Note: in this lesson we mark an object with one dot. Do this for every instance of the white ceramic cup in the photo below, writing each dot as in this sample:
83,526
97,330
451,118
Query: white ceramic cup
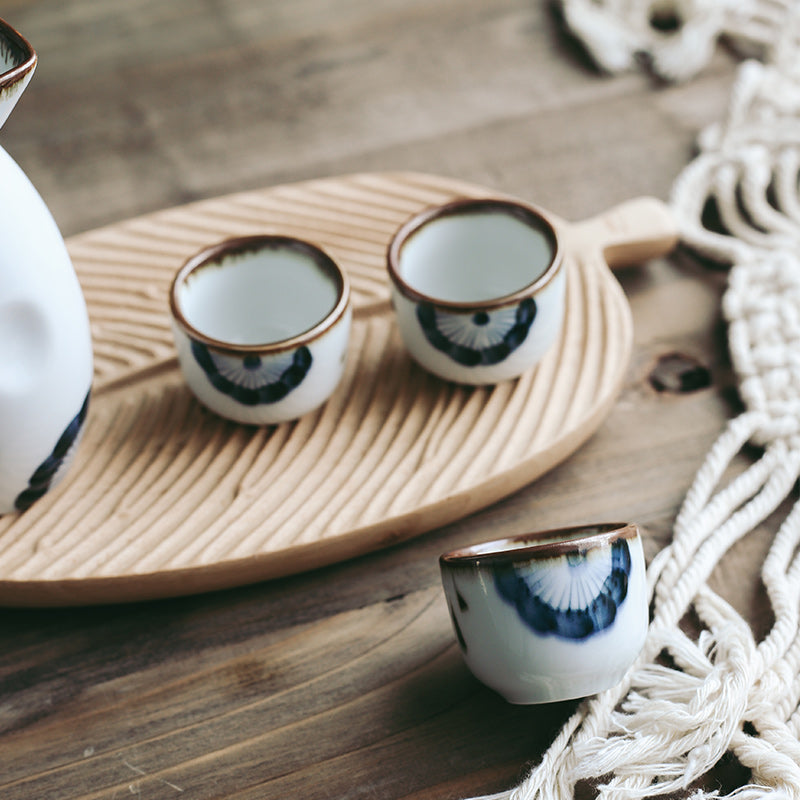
550,616
478,288
261,325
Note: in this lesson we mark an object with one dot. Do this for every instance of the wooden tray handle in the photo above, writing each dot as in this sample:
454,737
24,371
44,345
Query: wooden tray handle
627,234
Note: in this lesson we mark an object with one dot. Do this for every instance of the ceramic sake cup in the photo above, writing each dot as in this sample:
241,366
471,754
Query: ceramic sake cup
261,326
550,616
478,288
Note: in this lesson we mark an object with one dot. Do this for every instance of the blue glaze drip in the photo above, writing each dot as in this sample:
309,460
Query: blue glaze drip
46,473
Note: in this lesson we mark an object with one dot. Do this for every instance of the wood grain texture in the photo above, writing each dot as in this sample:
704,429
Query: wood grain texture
250,693
166,498
264,745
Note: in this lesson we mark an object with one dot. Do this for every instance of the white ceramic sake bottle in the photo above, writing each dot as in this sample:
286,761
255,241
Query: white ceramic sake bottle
45,341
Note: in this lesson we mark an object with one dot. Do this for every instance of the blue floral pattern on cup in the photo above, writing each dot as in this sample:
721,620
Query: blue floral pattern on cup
47,472
571,596
252,380
479,339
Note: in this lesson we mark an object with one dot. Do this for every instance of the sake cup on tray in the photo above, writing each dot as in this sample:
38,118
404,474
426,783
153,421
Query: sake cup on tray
550,616
478,288
261,325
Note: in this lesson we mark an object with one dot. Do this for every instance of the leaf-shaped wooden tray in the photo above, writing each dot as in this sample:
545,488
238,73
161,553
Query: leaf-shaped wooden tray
164,498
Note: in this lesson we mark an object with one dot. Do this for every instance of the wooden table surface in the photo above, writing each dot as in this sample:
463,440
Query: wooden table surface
347,682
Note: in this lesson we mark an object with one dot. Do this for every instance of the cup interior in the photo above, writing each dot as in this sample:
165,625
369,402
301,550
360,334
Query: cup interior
15,53
17,63
542,545
473,251
257,291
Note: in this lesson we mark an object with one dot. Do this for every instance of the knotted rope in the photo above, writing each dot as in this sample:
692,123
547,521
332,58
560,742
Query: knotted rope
691,699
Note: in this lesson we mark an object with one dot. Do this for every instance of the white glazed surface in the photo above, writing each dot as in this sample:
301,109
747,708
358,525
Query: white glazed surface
262,298
528,667
543,332
329,354
46,368
474,257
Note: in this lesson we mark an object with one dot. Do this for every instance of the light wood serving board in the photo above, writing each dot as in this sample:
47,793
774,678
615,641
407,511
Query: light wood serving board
164,498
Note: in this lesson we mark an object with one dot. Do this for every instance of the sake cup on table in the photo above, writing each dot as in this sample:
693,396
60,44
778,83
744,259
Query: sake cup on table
261,326
550,616
478,288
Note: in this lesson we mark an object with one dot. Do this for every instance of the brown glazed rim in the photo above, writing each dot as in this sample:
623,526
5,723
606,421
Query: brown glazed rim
15,74
524,547
528,214
214,255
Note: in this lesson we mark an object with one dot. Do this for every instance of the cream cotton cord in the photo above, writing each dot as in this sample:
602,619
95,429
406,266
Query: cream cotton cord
689,700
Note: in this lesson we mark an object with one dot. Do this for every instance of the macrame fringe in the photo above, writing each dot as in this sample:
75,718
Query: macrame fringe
677,38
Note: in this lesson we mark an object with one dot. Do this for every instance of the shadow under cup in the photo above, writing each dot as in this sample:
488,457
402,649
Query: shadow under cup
478,288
